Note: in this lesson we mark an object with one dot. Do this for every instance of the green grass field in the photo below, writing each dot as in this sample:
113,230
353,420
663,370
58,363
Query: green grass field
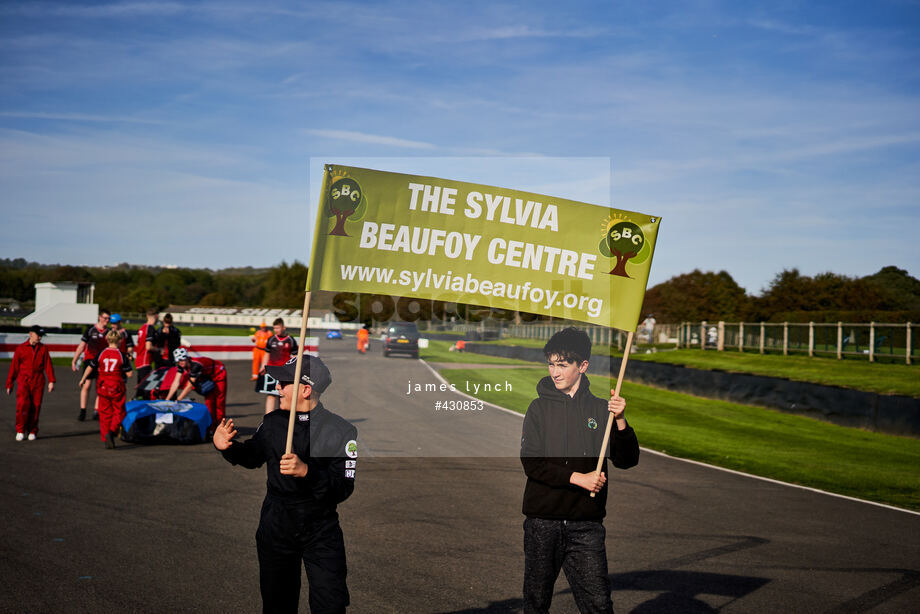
437,352
860,375
786,447
857,374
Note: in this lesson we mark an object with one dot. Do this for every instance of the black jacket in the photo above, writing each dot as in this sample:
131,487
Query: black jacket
563,434
324,441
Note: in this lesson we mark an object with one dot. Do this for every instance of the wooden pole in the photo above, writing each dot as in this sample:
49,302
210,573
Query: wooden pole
871,341
616,393
839,340
908,343
288,446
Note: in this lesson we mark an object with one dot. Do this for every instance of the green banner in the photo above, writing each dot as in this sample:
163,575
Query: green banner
424,237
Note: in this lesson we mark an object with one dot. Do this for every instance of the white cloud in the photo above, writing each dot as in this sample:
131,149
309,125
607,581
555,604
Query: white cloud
80,117
375,139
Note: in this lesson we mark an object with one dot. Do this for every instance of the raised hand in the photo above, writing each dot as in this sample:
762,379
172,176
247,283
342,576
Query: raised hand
224,434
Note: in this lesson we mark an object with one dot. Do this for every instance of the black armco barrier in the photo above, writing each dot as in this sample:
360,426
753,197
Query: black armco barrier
895,414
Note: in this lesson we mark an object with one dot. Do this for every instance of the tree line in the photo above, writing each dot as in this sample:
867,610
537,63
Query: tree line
133,289
890,295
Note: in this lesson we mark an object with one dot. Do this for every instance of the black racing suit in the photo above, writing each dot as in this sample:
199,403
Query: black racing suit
299,519
564,525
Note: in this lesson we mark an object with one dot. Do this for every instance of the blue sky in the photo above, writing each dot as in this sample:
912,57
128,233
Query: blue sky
767,135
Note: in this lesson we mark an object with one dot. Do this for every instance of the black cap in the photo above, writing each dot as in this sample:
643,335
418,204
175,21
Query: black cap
38,330
312,372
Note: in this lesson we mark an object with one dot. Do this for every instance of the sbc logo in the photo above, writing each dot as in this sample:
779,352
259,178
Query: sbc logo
624,241
345,201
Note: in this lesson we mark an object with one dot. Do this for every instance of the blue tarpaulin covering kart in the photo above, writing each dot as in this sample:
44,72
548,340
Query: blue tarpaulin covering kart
165,422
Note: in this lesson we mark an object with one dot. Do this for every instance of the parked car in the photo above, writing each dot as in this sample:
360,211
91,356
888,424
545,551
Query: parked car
401,338
334,334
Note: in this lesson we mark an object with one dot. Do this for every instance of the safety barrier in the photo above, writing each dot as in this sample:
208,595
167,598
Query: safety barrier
217,347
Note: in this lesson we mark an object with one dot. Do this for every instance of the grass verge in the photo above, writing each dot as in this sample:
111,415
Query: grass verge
763,442
866,376
856,374
437,351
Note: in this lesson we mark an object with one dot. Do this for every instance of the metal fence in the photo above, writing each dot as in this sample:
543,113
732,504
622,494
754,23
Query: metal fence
873,340
660,335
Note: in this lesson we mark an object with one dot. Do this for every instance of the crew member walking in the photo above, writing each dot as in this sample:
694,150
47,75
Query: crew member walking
260,338
91,344
31,364
363,339
114,367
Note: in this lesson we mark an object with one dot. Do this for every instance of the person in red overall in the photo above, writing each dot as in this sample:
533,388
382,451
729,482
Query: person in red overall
113,367
31,364
207,376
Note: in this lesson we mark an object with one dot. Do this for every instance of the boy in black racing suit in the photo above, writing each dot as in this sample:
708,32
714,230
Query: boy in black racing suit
299,521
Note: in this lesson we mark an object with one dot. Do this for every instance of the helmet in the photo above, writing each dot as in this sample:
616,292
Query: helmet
180,354
115,319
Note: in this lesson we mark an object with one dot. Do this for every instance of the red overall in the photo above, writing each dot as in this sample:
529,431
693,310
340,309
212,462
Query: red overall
111,389
31,363
203,368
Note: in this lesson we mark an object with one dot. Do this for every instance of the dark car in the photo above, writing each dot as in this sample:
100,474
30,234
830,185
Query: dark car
401,338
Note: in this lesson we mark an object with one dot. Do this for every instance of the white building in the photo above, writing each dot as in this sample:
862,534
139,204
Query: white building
63,302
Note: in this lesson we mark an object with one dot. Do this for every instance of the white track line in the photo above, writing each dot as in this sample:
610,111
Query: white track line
693,462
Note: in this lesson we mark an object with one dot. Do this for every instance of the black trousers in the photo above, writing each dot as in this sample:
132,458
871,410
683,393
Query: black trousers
576,547
290,535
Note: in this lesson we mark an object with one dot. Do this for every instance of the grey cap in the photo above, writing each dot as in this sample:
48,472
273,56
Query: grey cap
312,372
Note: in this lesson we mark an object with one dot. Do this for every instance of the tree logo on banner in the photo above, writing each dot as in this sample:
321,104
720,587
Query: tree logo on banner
624,241
345,202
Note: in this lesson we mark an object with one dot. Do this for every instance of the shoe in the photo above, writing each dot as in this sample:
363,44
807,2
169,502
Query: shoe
96,416
82,415
110,441
20,436
31,437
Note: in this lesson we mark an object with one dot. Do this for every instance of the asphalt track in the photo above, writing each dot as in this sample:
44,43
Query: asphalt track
434,524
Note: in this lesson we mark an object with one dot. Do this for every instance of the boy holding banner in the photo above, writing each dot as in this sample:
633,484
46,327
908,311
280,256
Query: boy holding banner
566,495
299,523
